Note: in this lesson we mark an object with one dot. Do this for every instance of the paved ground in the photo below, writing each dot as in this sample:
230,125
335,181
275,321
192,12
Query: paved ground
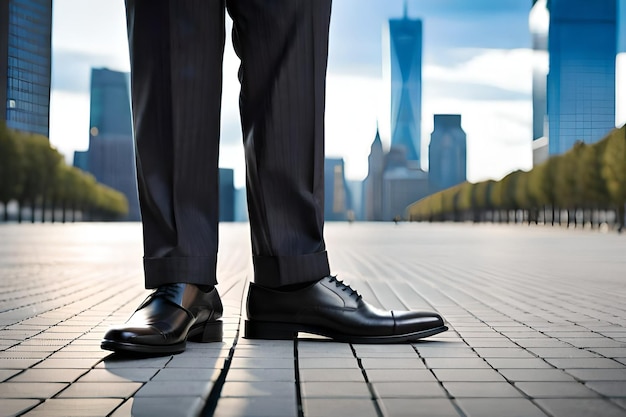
537,318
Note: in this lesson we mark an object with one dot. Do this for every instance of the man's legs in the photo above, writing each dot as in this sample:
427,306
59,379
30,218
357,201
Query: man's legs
283,46
176,50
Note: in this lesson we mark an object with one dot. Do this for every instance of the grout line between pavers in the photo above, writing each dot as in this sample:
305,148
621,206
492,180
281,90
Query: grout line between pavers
296,367
374,398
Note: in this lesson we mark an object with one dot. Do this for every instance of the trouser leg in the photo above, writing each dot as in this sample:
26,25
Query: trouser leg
283,46
176,50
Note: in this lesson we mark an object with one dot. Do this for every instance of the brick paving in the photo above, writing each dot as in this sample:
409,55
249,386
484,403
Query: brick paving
537,322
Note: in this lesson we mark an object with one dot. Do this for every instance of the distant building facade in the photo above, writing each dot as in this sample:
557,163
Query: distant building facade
25,64
336,199
402,63
227,195
392,183
582,45
447,153
110,157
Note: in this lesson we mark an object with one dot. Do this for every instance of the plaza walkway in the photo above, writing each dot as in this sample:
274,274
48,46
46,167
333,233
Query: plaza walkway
537,319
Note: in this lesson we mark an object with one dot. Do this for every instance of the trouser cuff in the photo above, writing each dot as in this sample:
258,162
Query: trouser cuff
189,270
276,271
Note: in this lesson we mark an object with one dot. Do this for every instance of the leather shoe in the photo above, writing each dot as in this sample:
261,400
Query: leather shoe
333,309
169,316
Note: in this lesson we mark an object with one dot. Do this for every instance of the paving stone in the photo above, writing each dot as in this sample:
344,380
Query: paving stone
321,363
152,407
500,407
35,390
332,375
556,390
180,388
588,407
100,390
265,363
67,363
75,407
503,353
533,363
8,373
119,375
609,388
409,389
481,389
584,363
468,375
335,390
15,407
392,363
447,353
194,374
259,407
535,375
456,363
417,407
48,375
318,407
259,389
598,374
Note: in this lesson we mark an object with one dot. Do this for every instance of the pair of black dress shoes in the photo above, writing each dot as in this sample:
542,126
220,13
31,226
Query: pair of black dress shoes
175,313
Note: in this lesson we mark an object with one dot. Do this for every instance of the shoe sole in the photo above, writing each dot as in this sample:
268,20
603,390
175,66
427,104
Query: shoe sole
289,331
211,331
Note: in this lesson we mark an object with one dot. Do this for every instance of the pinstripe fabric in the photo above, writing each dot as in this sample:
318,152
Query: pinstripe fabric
176,54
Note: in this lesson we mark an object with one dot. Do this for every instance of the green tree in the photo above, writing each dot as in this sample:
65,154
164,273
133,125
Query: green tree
614,171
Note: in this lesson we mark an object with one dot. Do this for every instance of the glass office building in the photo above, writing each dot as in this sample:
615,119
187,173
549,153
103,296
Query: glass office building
582,44
447,153
402,45
25,64
110,157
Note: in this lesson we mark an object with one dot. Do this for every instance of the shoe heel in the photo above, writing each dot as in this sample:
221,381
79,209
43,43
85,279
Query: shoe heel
269,330
212,331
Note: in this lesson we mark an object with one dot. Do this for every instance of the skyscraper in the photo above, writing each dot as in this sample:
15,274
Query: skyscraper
582,45
373,183
110,157
402,46
25,62
447,153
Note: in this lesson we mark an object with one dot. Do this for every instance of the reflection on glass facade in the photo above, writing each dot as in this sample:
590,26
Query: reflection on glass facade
404,50
582,44
447,153
25,57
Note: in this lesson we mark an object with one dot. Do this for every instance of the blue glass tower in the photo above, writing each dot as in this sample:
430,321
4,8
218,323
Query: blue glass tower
405,70
582,43
25,63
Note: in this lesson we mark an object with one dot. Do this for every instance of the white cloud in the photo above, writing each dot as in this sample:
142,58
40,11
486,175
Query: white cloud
506,69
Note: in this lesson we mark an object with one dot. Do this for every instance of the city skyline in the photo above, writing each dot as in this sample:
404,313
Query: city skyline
477,62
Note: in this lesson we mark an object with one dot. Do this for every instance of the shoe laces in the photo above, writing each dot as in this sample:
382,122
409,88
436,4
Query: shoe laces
345,287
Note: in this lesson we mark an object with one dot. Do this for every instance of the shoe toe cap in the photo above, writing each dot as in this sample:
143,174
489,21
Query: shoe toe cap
416,321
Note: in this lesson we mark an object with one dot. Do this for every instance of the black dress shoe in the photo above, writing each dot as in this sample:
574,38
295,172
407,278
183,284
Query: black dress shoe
331,308
169,316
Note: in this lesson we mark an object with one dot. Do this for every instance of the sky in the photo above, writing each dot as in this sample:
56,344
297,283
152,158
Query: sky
476,62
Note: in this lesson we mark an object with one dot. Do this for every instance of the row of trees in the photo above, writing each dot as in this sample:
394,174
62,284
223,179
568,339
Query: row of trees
34,175
585,181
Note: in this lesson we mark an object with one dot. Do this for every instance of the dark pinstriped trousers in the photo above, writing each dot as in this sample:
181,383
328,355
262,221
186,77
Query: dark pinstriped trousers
176,50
